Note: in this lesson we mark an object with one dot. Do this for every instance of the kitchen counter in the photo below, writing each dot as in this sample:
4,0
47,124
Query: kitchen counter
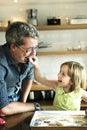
40,87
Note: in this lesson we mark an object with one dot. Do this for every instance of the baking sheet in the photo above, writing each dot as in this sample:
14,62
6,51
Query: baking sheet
58,118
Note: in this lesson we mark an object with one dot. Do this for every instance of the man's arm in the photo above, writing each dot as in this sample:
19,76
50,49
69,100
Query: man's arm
26,87
17,107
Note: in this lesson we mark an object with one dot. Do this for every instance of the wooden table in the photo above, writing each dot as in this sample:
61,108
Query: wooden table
18,121
61,128
22,121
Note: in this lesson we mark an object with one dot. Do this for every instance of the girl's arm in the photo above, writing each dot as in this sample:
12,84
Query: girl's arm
84,95
39,77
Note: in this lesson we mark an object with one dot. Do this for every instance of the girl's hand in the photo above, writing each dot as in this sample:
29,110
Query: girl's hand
34,60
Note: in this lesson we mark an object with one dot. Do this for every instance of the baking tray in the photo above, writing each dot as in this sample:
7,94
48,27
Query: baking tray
59,119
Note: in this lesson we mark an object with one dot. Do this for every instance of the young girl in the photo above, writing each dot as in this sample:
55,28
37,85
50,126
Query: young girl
69,88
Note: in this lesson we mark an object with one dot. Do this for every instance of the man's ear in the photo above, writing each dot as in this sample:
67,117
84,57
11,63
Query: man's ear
12,46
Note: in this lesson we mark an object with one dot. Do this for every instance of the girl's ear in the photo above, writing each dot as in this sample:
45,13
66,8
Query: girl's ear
71,83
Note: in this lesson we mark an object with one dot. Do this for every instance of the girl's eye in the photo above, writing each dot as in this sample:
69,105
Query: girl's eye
63,74
60,71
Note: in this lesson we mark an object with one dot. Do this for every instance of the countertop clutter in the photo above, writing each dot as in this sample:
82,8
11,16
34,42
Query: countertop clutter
54,21
53,119
81,19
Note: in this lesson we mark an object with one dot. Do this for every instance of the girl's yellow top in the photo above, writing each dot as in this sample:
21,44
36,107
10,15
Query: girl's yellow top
67,101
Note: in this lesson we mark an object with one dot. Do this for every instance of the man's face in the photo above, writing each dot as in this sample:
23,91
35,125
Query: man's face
22,53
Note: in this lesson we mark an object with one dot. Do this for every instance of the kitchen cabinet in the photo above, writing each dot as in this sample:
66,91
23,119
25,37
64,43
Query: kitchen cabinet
39,92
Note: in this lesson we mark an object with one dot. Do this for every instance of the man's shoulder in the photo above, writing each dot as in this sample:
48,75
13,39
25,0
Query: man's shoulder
1,51
2,54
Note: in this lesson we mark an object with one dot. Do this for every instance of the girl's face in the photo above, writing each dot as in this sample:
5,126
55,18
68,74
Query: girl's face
64,79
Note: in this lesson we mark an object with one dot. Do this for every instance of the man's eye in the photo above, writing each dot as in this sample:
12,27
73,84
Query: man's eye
28,50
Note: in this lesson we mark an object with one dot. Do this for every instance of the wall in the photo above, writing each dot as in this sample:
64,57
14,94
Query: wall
63,8
59,39
50,65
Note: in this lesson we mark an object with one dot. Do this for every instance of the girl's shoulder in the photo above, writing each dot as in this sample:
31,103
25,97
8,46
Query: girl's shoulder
79,91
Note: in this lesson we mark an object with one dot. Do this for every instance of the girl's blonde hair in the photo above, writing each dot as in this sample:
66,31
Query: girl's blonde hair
77,73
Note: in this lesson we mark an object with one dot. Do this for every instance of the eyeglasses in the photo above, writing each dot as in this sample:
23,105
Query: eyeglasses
29,50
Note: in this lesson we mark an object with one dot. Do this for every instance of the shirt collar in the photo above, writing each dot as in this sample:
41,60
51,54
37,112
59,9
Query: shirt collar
8,55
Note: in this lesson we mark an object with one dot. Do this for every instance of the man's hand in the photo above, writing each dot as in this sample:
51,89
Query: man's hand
2,121
34,61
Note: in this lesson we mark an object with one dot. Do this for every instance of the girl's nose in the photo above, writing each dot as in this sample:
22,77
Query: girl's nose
58,75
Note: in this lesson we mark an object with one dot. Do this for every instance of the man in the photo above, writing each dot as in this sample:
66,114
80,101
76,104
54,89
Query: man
16,72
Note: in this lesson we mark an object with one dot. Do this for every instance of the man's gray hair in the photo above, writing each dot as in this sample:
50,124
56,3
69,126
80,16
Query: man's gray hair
17,31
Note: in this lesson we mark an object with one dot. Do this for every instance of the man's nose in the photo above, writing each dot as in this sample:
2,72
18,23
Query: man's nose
33,52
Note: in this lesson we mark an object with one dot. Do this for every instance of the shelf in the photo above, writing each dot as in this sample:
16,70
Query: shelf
3,29
56,27
62,27
62,52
